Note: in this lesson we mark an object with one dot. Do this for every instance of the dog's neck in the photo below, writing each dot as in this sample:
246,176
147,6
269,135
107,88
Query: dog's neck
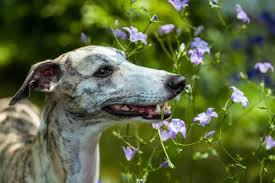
69,149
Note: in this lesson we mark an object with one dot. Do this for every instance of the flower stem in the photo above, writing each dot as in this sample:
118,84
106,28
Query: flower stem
262,170
186,145
266,133
147,26
223,148
171,165
220,17
118,42
163,47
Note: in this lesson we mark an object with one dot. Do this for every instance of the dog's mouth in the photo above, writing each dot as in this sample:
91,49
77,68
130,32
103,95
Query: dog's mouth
159,111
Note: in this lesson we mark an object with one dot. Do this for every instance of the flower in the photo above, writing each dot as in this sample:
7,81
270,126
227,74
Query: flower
199,29
200,45
154,18
263,67
166,29
238,96
196,56
214,3
179,4
198,49
99,181
164,135
269,142
209,134
164,164
241,15
205,117
136,36
84,38
120,34
129,152
157,125
175,127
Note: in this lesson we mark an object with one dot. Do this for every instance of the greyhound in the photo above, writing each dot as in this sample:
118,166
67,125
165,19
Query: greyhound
87,90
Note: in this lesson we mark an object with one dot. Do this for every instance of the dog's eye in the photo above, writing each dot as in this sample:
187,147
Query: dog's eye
103,72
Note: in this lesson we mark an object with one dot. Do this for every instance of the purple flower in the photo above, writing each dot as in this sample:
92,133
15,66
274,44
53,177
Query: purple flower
157,125
136,36
175,127
199,48
196,56
164,135
205,117
201,45
166,123
166,29
129,152
241,15
84,38
214,3
269,142
179,4
154,18
120,34
263,67
209,134
238,96
164,164
199,29
99,181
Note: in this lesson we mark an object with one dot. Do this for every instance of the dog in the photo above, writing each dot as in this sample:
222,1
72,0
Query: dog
87,90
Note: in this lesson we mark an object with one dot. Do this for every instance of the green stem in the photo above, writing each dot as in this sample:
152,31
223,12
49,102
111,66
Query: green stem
186,145
126,142
130,12
171,165
220,17
163,47
170,47
262,170
120,45
223,148
147,26
266,133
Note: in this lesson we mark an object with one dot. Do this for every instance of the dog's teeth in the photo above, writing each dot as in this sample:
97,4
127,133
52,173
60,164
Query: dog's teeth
157,109
116,107
125,108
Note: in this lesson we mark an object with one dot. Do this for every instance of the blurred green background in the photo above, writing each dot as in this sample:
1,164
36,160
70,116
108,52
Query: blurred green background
32,31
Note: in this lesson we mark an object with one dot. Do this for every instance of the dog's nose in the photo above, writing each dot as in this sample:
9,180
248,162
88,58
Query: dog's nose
176,84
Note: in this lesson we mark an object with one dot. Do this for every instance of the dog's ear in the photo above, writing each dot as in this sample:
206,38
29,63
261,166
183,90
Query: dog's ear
42,76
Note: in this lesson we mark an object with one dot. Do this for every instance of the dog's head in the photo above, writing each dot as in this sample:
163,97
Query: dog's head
99,82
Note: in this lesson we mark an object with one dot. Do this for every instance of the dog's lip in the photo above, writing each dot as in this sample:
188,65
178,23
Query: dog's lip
150,112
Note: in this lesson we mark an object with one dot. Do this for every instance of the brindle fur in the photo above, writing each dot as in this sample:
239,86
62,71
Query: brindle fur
62,145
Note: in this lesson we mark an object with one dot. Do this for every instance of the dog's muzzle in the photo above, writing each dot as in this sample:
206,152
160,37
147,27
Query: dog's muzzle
174,85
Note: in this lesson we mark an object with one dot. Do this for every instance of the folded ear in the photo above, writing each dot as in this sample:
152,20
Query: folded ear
42,76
